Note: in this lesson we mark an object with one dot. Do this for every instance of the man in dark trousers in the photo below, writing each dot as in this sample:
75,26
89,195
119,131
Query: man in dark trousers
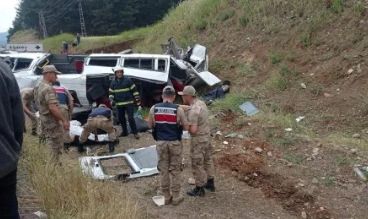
11,138
123,94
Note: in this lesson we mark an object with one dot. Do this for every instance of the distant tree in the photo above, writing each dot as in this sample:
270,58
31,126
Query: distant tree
102,17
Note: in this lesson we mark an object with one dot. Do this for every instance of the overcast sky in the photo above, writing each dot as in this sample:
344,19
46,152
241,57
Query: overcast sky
7,14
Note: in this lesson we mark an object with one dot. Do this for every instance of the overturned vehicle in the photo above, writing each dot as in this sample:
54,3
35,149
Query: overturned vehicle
89,77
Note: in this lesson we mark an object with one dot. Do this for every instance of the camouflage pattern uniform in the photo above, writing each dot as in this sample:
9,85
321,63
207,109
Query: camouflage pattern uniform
170,161
52,128
98,122
200,144
27,98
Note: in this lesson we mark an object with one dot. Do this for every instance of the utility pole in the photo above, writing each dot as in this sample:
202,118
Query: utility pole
83,27
42,23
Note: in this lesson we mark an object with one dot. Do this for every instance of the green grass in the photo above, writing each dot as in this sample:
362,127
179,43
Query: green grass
277,83
306,39
201,24
285,141
226,14
316,90
275,59
294,158
344,160
232,102
358,9
244,70
65,192
243,20
337,6
330,181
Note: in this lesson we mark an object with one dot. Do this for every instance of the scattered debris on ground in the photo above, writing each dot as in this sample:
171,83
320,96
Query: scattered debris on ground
251,168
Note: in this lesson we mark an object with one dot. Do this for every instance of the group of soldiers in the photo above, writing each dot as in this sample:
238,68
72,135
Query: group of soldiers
166,119
55,104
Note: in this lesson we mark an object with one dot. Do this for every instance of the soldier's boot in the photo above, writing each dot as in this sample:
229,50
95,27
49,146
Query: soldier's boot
167,195
112,146
197,191
80,148
177,198
210,185
123,134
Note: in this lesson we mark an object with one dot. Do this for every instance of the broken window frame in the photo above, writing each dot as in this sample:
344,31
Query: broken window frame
155,63
117,58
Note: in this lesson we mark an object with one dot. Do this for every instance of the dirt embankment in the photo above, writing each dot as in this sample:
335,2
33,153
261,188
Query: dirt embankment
114,48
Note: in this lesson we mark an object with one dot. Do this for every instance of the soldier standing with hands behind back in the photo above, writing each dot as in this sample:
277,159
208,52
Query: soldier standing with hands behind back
165,119
53,122
200,143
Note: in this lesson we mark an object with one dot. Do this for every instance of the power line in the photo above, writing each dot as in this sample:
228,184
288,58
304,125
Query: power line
62,12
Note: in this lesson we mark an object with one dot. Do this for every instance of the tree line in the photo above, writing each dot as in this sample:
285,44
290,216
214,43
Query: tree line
102,17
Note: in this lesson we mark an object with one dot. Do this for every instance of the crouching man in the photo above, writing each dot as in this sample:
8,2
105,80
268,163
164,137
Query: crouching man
165,119
100,118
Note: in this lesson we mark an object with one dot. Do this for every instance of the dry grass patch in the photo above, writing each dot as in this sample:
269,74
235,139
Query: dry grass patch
67,193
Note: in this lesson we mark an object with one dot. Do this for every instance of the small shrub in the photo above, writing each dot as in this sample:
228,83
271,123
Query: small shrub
358,9
306,39
278,82
201,24
285,71
245,70
330,181
285,141
243,20
336,6
226,15
294,158
275,59
316,90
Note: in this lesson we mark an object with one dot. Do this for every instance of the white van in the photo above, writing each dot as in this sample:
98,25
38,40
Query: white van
90,76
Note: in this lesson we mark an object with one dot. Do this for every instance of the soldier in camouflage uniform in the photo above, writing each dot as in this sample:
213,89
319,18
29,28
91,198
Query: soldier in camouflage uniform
165,119
200,144
100,118
53,122
27,99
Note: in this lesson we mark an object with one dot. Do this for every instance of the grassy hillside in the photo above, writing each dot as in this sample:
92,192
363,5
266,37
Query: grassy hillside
267,49
290,58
